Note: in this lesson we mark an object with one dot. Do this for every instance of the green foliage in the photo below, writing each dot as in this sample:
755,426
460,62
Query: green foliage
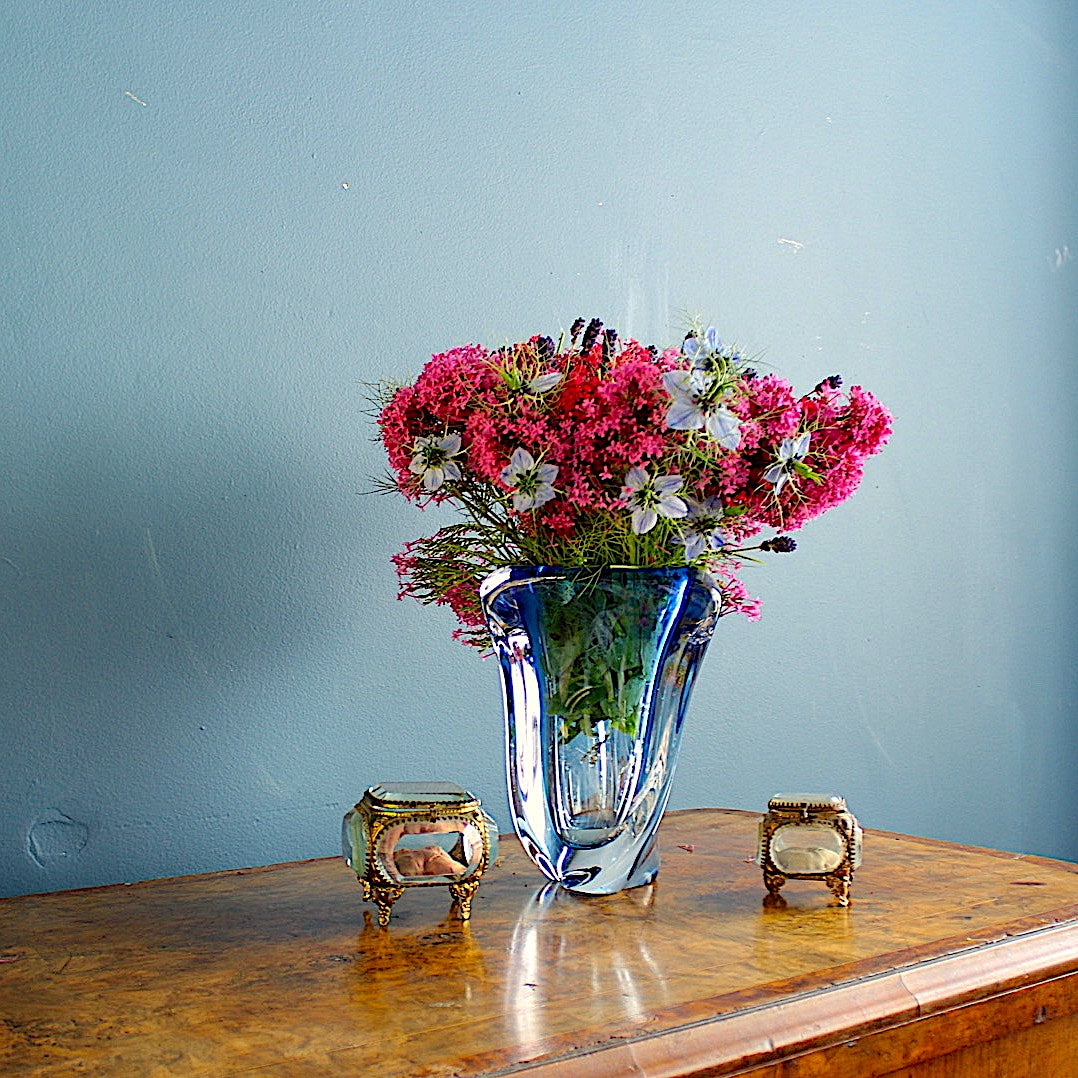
599,642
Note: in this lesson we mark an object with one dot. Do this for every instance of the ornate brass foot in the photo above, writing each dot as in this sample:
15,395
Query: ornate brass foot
840,887
384,897
773,881
463,893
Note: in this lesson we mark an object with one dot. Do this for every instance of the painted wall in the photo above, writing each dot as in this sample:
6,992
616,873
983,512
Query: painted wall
219,222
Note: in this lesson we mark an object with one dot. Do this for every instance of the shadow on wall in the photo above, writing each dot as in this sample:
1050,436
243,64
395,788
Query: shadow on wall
157,614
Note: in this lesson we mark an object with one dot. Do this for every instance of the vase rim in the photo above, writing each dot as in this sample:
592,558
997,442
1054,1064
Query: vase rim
505,575
603,568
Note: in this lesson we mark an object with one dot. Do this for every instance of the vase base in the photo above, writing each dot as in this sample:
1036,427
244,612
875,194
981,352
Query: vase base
595,872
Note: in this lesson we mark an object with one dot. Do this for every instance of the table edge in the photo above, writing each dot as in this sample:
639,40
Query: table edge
821,1018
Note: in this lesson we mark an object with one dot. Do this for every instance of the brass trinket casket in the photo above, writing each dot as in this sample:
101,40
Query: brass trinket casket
412,834
809,837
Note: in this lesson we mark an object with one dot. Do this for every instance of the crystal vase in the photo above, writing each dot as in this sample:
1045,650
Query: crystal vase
597,667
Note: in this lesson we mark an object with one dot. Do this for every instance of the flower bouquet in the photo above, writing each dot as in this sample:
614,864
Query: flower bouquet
609,494
594,451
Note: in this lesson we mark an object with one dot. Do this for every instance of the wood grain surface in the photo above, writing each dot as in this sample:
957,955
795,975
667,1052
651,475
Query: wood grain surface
947,957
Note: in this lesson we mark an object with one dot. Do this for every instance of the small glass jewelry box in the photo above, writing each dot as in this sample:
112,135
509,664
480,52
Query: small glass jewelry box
809,837
418,834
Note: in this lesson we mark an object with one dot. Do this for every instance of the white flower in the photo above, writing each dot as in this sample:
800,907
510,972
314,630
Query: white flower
544,383
787,456
693,347
691,409
432,458
651,498
702,528
533,482
686,387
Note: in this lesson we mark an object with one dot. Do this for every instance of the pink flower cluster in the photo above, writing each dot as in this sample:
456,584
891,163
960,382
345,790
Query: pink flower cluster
544,438
594,425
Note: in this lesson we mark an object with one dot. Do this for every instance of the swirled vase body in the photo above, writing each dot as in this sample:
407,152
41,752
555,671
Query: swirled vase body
597,667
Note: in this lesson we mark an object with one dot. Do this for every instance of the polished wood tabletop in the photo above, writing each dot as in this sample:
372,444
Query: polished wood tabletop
948,960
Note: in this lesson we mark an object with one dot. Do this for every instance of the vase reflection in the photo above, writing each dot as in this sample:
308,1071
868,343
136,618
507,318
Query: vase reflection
614,980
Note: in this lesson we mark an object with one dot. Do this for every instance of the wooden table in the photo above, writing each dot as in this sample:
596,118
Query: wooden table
950,961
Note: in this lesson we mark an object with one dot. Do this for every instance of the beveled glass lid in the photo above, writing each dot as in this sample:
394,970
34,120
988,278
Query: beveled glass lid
404,795
812,802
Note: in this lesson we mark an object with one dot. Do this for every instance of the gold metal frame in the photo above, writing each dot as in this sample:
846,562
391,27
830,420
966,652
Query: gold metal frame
381,813
800,809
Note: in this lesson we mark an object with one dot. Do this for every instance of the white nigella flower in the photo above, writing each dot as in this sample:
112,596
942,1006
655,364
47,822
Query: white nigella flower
544,383
651,498
701,529
533,482
432,458
787,456
697,350
691,409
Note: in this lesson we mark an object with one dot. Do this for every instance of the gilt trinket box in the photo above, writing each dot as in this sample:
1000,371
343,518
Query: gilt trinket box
809,837
418,834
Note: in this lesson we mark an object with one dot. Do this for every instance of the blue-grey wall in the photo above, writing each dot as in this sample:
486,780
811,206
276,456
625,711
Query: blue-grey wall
219,221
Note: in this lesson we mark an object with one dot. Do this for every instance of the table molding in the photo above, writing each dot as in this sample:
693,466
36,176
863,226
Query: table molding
742,1042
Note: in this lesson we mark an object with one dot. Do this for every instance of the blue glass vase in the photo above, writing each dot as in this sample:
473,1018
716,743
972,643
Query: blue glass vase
597,667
